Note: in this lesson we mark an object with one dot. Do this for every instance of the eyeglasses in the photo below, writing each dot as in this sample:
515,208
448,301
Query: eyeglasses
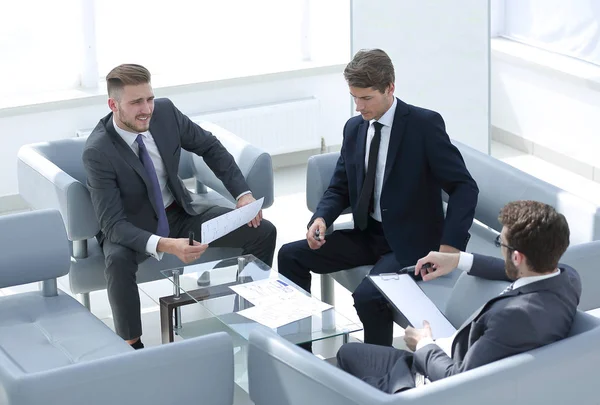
498,243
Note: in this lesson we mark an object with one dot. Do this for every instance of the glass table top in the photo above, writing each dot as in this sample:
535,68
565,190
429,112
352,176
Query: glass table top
212,306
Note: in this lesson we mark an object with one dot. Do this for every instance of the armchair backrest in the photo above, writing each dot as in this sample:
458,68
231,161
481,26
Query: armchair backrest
468,295
319,171
500,183
51,175
255,164
33,247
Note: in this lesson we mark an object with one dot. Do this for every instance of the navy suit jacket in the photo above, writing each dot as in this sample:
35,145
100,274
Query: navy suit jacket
421,162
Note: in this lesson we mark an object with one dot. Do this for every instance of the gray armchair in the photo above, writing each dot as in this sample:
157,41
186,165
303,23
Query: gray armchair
281,373
51,175
499,183
53,350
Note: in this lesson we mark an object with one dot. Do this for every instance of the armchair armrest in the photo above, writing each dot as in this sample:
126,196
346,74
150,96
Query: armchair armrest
282,373
255,164
43,184
198,370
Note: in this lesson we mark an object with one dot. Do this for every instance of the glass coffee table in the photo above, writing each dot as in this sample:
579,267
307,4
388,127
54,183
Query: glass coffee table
203,303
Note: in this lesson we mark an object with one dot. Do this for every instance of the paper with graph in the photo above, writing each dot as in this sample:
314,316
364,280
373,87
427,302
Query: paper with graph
223,224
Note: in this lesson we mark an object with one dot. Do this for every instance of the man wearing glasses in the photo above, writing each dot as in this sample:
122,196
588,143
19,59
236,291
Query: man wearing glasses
537,309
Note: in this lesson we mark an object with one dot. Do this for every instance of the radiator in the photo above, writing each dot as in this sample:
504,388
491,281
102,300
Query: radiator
277,128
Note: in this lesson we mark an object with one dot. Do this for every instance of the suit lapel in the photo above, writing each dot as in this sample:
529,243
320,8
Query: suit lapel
130,157
361,147
482,309
398,128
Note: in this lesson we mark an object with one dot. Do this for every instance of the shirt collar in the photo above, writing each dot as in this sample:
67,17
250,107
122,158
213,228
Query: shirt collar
523,281
128,136
387,119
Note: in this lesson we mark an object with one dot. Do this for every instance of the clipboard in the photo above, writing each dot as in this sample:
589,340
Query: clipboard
405,295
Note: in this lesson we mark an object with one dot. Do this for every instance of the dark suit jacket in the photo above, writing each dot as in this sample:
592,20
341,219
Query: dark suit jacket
118,184
523,319
421,162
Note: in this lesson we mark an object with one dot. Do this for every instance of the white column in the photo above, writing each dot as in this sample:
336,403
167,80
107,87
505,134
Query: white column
89,66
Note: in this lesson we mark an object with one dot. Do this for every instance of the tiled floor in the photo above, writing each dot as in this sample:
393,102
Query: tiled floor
290,215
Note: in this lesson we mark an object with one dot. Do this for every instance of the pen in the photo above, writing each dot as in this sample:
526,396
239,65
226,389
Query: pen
317,235
191,238
411,269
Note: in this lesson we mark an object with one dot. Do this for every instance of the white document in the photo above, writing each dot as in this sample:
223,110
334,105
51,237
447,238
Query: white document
264,292
407,297
223,224
276,303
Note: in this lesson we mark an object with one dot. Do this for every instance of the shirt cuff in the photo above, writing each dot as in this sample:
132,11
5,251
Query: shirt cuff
152,245
465,261
243,194
424,342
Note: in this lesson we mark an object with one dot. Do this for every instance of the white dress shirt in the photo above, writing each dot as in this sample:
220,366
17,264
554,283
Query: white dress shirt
161,174
386,120
465,262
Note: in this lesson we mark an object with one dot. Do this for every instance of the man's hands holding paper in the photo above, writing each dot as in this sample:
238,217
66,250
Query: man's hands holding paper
181,248
245,200
413,336
316,234
441,264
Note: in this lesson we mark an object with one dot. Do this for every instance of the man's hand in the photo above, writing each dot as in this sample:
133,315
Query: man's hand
318,224
181,248
245,200
413,336
441,264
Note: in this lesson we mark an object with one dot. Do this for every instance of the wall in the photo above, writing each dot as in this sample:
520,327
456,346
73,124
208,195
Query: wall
548,105
440,51
47,122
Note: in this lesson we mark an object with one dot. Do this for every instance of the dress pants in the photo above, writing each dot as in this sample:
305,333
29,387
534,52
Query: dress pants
122,262
386,368
343,250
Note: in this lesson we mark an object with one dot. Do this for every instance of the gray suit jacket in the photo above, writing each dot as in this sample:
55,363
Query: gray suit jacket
118,184
523,319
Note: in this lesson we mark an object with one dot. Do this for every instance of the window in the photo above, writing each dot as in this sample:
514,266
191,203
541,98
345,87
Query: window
40,51
570,28
174,38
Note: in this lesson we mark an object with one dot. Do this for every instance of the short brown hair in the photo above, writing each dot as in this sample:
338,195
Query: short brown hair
123,75
370,68
536,230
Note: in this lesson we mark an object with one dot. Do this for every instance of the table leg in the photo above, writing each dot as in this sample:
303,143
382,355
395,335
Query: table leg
166,323
177,294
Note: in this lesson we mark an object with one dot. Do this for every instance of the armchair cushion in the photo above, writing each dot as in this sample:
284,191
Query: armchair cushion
40,333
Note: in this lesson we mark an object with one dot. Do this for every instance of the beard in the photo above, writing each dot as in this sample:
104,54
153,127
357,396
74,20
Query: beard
132,124
510,269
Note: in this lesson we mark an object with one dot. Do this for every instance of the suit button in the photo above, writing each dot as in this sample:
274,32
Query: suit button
383,209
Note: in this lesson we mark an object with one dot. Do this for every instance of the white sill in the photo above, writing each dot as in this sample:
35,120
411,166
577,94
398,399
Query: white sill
165,86
559,66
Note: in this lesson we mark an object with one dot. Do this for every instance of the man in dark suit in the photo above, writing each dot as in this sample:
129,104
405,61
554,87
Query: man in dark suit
395,161
144,209
537,309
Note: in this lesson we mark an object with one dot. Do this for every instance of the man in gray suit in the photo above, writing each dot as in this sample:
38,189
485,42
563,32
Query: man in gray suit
132,159
535,310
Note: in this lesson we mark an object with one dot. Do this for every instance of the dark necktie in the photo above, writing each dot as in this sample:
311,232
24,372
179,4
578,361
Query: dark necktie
162,228
365,201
